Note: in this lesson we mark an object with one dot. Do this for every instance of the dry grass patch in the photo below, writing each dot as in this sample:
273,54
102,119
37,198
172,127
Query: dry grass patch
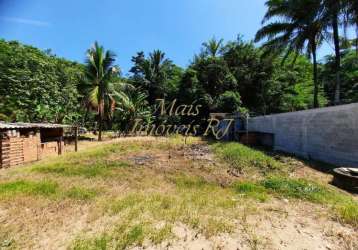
101,199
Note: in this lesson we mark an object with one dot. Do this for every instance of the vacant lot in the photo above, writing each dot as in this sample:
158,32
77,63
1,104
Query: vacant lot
160,193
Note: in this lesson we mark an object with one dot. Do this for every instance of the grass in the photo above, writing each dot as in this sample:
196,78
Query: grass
102,161
348,212
251,190
91,163
87,170
277,183
191,203
344,207
161,234
298,188
122,237
44,188
216,226
79,193
191,182
143,204
246,159
6,242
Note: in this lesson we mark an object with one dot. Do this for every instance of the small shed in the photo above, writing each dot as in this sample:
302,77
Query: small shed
26,142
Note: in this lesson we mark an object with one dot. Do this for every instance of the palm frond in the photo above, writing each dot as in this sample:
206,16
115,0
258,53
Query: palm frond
271,30
276,8
94,96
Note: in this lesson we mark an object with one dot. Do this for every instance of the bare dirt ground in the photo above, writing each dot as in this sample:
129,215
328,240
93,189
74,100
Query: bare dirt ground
41,222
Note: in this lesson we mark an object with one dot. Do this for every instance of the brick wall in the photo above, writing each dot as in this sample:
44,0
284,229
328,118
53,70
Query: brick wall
49,149
31,148
12,151
16,149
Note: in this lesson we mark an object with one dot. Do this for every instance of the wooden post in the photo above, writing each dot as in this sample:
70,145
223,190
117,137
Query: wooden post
76,138
59,146
60,143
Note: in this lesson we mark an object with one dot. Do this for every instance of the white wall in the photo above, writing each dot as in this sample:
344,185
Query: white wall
326,134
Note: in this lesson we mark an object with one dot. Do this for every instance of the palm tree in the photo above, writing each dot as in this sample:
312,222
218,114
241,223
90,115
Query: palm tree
100,71
330,17
153,73
295,28
134,106
352,14
157,62
213,47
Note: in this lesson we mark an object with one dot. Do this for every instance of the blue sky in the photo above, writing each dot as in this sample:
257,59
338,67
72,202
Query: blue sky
177,27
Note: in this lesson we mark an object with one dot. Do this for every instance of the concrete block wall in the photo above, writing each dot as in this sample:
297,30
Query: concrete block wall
326,134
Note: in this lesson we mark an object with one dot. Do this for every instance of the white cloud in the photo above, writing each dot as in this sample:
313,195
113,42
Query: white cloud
26,21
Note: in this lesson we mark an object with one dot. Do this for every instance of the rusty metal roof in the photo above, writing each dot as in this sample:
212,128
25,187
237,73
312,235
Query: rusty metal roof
17,125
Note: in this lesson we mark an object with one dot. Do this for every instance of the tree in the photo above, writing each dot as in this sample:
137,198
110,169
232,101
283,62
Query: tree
100,71
332,10
214,75
38,87
296,29
290,88
251,71
153,74
229,102
133,106
351,7
192,91
349,77
213,47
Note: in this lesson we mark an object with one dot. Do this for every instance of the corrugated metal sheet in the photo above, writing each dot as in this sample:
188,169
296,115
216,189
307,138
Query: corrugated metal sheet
18,125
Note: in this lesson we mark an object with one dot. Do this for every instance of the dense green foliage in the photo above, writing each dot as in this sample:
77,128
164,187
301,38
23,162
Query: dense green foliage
349,77
297,25
37,86
156,75
298,30
261,84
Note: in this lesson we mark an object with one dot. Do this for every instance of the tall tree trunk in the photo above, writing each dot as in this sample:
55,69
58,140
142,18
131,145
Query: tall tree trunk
151,94
100,118
337,90
315,74
356,42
